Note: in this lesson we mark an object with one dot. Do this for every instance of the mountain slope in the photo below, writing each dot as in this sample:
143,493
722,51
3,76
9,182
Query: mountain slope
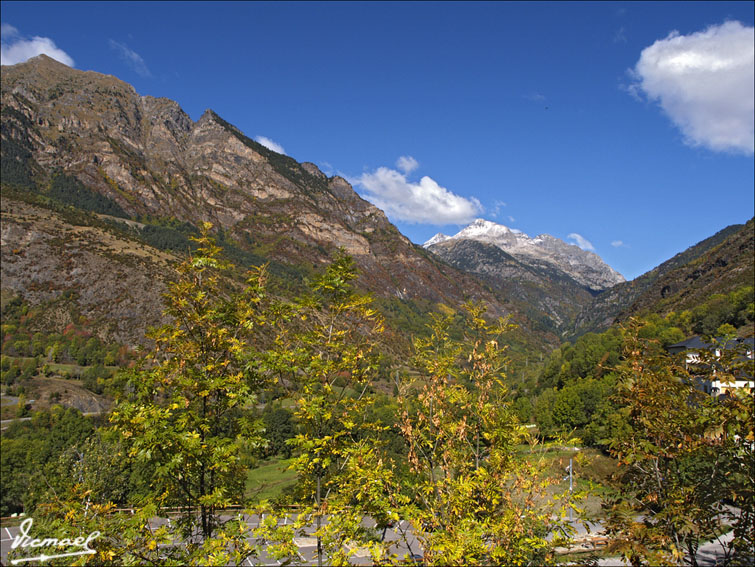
152,161
549,280
545,294
647,292
721,268
584,267
90,141
78,267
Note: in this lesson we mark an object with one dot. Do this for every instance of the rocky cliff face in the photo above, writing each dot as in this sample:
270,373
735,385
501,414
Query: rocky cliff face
147,156
145,160
543,251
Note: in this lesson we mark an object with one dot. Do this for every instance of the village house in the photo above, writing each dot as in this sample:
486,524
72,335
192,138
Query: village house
709,377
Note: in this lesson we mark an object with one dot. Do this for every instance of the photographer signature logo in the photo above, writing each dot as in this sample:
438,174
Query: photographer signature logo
25,541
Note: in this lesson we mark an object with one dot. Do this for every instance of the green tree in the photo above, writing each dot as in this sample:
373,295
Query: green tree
474,500
189,416
683,452
279,428
28,448
327,359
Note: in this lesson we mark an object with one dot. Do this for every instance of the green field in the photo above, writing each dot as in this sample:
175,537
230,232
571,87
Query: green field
269,480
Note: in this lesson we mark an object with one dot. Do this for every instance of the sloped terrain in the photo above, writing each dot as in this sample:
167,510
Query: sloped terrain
148,159
643,294
547,295
116,283
89,141
721,268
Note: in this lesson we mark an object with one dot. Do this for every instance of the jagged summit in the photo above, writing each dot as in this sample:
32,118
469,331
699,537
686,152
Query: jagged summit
440,237
586,268
482,226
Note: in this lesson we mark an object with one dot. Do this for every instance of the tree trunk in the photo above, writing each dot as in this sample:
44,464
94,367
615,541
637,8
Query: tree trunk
319,520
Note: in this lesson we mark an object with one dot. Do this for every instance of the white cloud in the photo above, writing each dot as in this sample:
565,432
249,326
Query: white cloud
15,48
7,31
407,164
270,145
618,243
704,83
425,202
131,57
581,241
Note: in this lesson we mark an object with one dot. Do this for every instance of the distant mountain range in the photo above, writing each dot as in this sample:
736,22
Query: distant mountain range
102,188
550,280
584,267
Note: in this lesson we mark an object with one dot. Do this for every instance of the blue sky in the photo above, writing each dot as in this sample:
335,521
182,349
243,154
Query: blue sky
627,127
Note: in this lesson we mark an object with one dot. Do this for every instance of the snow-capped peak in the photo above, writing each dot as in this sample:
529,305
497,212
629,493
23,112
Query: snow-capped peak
585,267
482,227
440,237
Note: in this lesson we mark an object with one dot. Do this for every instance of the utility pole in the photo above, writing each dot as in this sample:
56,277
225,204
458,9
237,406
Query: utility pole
571,486
570,468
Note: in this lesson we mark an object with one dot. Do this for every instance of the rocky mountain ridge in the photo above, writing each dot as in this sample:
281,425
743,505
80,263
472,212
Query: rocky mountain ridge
150,158
717,264
549,294
546,294
90,141
543,251
94,140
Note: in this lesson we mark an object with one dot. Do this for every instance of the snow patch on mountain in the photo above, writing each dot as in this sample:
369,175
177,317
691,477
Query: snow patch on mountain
585,267
440,237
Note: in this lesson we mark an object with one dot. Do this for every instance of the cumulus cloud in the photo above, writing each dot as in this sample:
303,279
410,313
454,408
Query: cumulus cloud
407,164
704,83
16,48
270,144
131,57
425,202
581,241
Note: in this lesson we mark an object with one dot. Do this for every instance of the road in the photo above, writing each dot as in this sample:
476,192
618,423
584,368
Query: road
710,554
305,542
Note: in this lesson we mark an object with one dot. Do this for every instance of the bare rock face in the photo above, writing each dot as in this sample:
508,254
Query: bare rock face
152,160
